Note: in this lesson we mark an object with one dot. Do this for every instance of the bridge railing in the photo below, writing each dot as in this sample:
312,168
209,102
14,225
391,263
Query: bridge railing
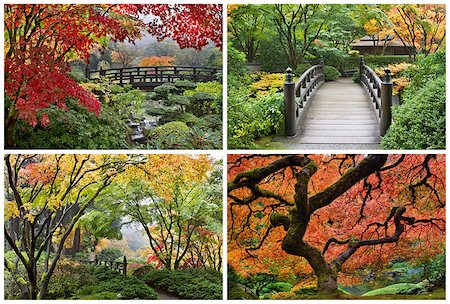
121,267
380,92
155,74
297,95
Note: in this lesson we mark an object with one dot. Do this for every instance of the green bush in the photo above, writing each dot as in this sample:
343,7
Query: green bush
74,128
301,68
419,123
110,254
235,61
249,119
104,295
331,73
67,279
183,85
402,288
128,288
356,77
277,287
201,104
168,135
187,283
436,271
164,90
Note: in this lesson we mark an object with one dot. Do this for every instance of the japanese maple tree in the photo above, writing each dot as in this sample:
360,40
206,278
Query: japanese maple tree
40,40
338,213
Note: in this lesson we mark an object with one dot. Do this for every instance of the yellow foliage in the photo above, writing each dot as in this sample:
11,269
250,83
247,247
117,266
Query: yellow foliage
400,82
11,210
268,82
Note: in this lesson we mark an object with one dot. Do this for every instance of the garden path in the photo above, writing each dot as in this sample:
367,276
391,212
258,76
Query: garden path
339,117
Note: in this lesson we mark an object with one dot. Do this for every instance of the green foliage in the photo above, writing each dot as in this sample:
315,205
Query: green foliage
187,283
104,295
301,68
356,77
67,279
419,123
129,101
235,61
128,288
74,128
168,135
164,90
276,287
110,254
436,271
183,85
272,57
249,119
331,73
375,61
402,288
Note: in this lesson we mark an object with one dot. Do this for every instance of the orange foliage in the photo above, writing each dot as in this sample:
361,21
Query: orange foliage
157,61
341,219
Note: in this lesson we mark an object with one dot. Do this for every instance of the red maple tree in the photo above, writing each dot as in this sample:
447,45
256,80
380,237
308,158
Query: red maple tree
329,215
40,40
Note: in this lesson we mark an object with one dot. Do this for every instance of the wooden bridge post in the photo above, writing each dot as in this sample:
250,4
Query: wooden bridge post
289,104
361,67
87,71
386,102
124,265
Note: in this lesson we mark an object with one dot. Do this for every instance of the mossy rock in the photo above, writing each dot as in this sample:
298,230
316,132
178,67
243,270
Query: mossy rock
184,85
401,288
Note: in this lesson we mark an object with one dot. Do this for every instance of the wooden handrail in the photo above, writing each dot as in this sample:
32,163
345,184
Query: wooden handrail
298,94
154,75
380,92
121,267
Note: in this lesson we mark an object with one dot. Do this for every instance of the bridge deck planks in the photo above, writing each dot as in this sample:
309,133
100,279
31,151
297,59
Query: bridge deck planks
339,113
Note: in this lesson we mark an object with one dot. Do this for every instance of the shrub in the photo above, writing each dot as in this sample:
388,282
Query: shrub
249,119
235,61
436,271
105,295
183,85
201,104
268,83
110,254
331,73
410,130
356,77
402,288
164,90
74,128
301,68
128,288
277,287
67,279
168,135
188,283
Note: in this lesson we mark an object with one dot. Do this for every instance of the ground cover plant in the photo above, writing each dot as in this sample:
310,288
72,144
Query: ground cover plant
336,226
85,226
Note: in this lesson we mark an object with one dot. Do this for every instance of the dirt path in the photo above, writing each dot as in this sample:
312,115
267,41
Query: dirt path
164,295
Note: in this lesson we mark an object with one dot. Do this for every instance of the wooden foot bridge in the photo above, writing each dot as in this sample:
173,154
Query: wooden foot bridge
336,114
152,76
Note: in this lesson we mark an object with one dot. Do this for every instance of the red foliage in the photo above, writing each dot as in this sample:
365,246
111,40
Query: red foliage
348,216
42,38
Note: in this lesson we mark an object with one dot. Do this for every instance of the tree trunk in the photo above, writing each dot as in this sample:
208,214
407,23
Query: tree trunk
10,130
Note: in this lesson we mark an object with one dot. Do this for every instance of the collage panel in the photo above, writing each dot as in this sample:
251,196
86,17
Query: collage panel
336,76
336,226
113,227
113,76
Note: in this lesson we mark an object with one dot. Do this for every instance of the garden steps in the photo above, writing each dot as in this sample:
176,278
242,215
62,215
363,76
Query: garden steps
339,115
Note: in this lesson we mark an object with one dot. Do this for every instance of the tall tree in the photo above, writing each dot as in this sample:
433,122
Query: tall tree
172,204
330,210
420,26
247,26
298,26
50,195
